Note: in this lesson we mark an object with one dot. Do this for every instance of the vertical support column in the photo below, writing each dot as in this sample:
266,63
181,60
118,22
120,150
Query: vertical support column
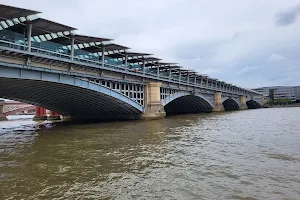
158,70
179,76
54,116
40,114
207,82
37,111
195,81
153,106
29,31
43,113
102,56
72,47
218,106
243,104
126,59
52,113
2,116
188,78
143,66
170,73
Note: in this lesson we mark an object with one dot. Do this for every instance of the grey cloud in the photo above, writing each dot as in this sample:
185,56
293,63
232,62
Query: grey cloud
288,17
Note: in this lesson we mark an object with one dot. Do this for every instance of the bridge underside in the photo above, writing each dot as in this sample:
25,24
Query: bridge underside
230,104
253,104
188,104
79,103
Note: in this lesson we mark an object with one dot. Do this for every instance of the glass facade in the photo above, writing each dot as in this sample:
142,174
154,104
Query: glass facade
281,92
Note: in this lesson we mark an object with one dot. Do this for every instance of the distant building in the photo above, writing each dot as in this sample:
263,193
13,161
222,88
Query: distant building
281,92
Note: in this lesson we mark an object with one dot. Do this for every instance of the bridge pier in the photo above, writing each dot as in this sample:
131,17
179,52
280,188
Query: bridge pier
40,114
153,107
2,116
243,104
218,107
54,116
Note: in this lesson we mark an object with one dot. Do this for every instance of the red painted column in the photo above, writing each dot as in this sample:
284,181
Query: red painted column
52,113
54,116
37,111
42,112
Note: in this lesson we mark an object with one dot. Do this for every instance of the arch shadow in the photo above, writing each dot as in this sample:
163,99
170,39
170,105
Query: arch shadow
230,104
187,104
252,104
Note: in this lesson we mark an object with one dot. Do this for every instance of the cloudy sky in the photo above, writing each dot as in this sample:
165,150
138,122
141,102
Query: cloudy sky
250,43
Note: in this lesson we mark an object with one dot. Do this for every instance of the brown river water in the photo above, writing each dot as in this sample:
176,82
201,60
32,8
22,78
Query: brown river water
245,155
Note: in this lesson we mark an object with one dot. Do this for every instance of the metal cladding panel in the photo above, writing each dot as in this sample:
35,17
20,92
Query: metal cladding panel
95,87
31,74
84,84
79,83
9,72
67,80
50,77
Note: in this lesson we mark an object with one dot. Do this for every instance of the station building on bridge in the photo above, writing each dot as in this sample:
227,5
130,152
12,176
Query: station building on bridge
47,64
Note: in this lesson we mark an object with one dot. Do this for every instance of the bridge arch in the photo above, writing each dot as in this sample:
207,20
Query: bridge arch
231,104
253,104
66,95
185,102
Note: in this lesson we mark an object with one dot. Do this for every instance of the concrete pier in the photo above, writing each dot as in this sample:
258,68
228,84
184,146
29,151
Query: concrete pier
153,108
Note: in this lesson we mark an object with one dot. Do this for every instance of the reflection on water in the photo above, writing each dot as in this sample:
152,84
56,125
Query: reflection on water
253,154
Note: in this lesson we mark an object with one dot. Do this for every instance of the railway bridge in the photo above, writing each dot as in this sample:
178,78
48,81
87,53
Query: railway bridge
46,64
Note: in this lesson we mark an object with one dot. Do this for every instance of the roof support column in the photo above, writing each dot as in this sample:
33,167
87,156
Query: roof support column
29,31
188,78
72,48
102,56
170,73
126,59
201,81
195,81
143,66
179,76
158,70
207,82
